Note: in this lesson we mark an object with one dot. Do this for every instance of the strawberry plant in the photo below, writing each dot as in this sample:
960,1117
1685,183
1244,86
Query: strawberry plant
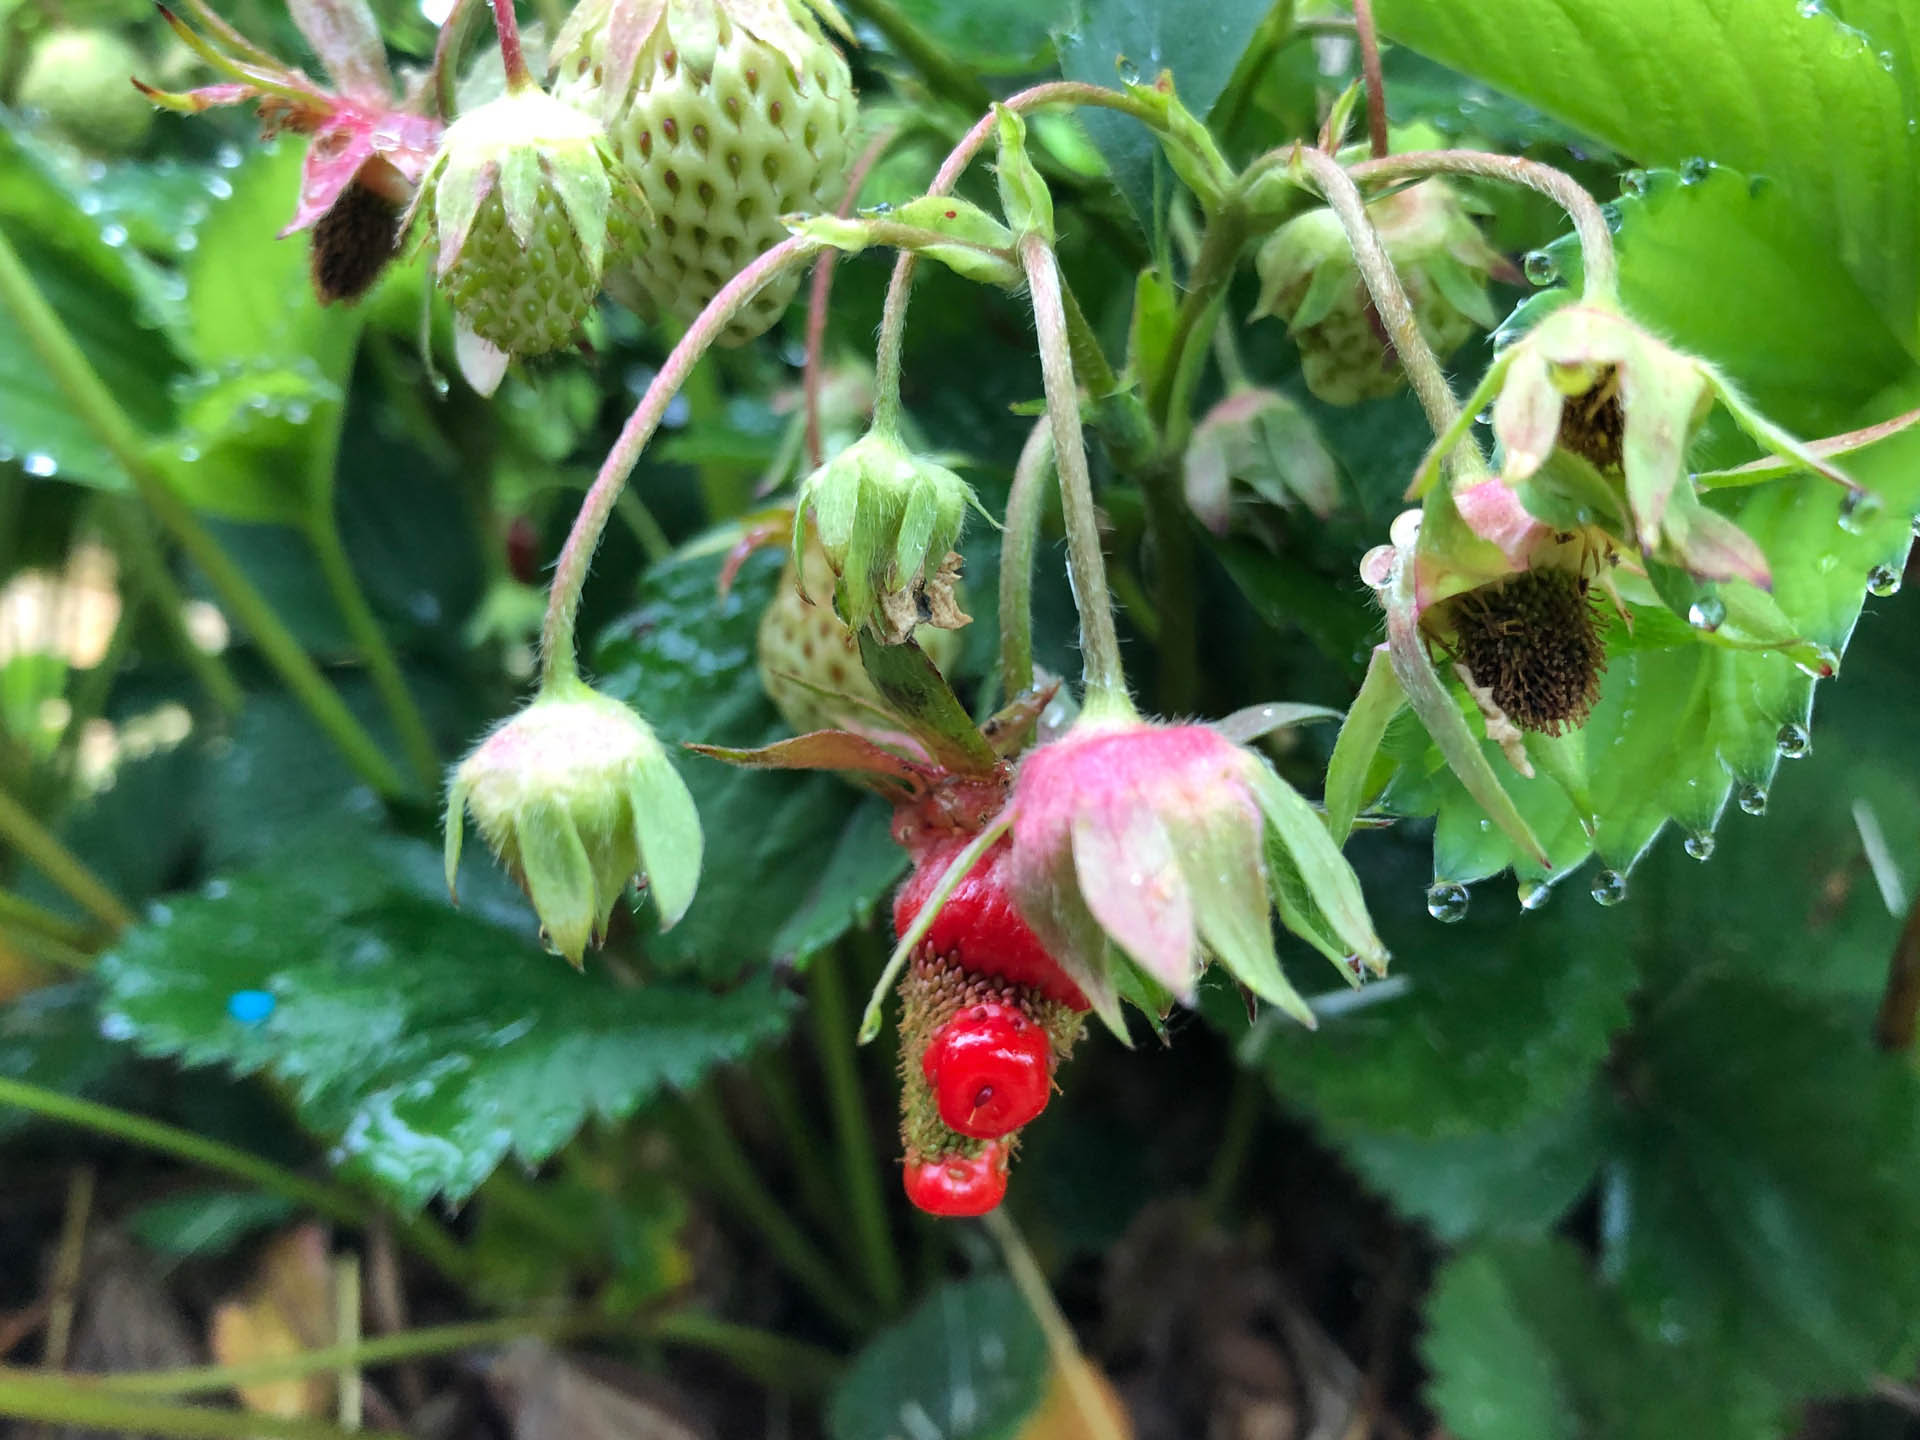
1185,717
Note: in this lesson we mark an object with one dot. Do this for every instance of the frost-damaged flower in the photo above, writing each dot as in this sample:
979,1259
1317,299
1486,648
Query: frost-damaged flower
1309,280
888,521
1175,842
519,201
367,149
577,798
1594,415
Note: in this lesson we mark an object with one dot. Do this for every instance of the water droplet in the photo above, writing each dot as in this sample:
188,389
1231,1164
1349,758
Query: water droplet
1699,845
1810,8
1708,613
227,157
1886,61
1446,901
1485,417
1819,662
189,454
1753,799
1883,580
219,187
1540,267
1534,894
1613,215
1859,510
251,1007
1129,72
185,241
116,1027
1792,741
1633,182
90,203
1609,887
1696,170
41,464
113,236
1914,526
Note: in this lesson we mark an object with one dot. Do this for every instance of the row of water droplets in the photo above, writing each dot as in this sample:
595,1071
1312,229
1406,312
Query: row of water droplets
1447,900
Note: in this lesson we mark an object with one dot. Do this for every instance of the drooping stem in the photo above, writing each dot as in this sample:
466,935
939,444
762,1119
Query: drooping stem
1375,81
853,1132
1105,680
443,76
1025,504
428,1240
1096,1417
820,292
893,319
1600,267
21,832
1383,284
507,25
557,658
80,384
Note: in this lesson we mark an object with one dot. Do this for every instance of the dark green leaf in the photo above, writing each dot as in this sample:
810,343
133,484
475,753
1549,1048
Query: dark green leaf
51,1038
430,1045
969,1364
856,877
1523,1344
1771,1188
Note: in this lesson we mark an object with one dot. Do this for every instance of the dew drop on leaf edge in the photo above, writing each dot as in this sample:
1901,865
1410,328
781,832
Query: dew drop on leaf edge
1753,799
1792,741
1540,267
1709,612
1859,510
1883,581
1447,902
1534,894
1609,887
1699,846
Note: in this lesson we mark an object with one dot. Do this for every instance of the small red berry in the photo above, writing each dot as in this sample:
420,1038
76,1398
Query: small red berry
958,1185
991,1070
523,550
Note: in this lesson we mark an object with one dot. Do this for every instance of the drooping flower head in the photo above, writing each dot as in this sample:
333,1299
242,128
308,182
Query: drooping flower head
1175,843
887,520
578,799
368,147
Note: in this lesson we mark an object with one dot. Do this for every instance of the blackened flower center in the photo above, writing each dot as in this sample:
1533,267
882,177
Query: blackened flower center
1533,643
1591,423
352,243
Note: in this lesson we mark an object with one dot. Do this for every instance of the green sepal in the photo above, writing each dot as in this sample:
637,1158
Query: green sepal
668,837
559,877
1349,770
1024,197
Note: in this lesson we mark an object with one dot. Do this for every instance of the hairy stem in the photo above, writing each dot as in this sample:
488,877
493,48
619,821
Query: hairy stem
820,292
1375,81
557,658
428,1240
1025,505
81,386
383,666
1383,284
1598,262
853,1132
893,319
507,25
41,848
1105,680
1171,403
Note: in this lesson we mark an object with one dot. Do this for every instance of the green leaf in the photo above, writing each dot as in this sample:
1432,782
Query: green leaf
1787,91
429,1045
857,876
1487,1022
1683,726
685,660
1518,1181
1003,37
1770,1198
51,1038
969,1364
1200,41
95,289
1523,1344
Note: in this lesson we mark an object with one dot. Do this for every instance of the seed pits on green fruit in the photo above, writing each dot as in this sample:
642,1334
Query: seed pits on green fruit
746,209
698,134
774,113
730,247
753,80
770,167
735,164
670,128
671,179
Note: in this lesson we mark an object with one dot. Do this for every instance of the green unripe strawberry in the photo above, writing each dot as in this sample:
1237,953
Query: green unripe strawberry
728,114
1309,280
519,201
82,81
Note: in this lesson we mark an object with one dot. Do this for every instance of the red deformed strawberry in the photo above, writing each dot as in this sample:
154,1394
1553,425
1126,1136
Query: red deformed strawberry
991,1069
986,1018
957,1186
